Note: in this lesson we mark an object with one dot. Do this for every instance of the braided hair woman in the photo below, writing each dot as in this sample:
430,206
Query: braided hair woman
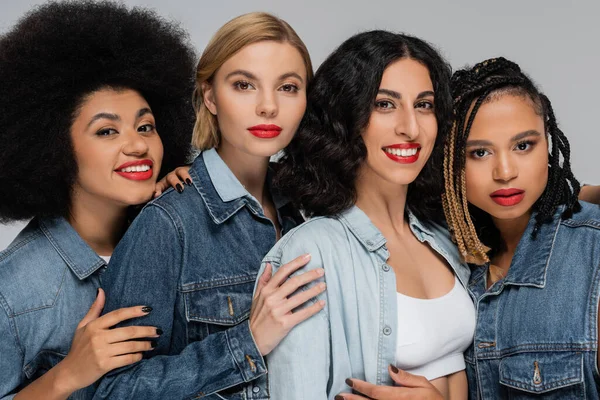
511,202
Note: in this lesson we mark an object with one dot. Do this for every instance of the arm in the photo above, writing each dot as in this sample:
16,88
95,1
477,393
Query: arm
145,269
299,366
590,194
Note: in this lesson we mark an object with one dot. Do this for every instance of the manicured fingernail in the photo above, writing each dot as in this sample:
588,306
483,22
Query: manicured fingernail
154,343
188,181
306,256
322,285
179,188
349,382
159,331
146,309
338,397
394,369
322,303
320,272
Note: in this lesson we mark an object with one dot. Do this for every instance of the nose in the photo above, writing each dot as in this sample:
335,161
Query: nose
505,168
135,144
407,124
267,105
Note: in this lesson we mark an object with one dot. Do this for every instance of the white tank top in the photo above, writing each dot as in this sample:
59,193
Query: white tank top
433,333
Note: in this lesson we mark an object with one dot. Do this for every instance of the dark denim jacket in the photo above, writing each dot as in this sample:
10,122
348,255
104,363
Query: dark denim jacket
48,281
194,257
536,334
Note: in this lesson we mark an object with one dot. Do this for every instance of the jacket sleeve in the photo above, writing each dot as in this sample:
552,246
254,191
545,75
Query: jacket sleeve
144,270
11,360
299,367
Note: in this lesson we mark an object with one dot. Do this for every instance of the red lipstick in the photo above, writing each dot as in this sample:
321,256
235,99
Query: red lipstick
403,153
134,175
265,131
508,197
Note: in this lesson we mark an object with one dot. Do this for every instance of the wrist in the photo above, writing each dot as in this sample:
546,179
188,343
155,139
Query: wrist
62,380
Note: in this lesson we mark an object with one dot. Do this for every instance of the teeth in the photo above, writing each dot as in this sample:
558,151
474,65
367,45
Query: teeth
401,152
136,168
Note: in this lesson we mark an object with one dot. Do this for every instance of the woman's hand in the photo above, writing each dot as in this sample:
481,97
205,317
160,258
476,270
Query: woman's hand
411,387
271,316
174,179
97,349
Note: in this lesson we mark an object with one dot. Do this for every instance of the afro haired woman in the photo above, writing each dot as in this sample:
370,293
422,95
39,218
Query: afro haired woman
511,203
91,95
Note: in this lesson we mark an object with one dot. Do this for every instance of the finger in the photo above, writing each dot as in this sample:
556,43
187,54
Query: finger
371,390
122,348
287,269
303,296
161,186
296,282
349,396
183,175
174,182
95,309
114,317
121,361
132,332
306,313
264,279
407,379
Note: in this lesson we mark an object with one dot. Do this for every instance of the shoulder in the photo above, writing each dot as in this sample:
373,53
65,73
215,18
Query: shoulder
318,236
588,218
31,262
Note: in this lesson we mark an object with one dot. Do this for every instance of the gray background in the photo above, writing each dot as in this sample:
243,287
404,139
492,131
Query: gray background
555,41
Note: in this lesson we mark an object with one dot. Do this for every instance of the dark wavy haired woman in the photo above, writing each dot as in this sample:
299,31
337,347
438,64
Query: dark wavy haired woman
364,164
91,95
511,203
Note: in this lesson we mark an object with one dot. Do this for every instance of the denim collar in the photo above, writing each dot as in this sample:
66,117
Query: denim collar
530,262
76,253
367,233
226,196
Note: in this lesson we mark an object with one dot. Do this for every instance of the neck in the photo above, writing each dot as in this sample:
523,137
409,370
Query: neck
511,231
383,202
250,170
99,223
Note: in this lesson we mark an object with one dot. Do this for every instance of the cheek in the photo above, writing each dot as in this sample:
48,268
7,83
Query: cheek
475,174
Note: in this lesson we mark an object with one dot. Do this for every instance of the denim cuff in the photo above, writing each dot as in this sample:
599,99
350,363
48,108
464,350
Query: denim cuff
245,352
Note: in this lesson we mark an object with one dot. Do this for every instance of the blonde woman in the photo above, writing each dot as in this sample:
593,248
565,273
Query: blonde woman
194,257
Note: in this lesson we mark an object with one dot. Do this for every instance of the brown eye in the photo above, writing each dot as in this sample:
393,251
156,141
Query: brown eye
243,85
106,132
288,87
384,104
146,128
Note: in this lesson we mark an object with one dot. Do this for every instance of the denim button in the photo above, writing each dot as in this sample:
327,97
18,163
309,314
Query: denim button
387,331
255,389
385,267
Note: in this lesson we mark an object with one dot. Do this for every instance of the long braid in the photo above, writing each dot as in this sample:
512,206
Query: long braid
470,89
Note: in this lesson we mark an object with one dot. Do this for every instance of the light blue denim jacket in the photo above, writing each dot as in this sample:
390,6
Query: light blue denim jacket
48,280
355,334
536,334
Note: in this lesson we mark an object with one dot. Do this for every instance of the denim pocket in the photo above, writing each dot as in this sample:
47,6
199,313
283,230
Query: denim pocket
227,304
557,375
42,363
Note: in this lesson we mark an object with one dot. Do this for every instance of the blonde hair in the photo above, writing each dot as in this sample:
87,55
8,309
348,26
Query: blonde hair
229,39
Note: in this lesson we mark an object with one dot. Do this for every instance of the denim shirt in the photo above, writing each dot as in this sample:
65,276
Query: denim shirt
48,280
536,334
354,336
194,257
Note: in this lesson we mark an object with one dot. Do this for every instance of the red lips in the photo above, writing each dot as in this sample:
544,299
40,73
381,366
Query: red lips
136,175
508,197
399,158
265,131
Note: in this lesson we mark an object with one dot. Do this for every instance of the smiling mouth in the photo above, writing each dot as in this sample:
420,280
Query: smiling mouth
405,154
136,171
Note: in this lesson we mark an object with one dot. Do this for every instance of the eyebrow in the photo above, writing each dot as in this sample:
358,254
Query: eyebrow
517,137
114,117
398,96
250,75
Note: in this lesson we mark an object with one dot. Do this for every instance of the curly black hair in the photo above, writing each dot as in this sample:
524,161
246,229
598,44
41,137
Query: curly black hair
320,166
472,87
56,55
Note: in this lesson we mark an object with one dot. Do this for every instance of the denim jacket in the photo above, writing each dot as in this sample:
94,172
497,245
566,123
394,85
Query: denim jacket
194,257
354,336
536,334
48,280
